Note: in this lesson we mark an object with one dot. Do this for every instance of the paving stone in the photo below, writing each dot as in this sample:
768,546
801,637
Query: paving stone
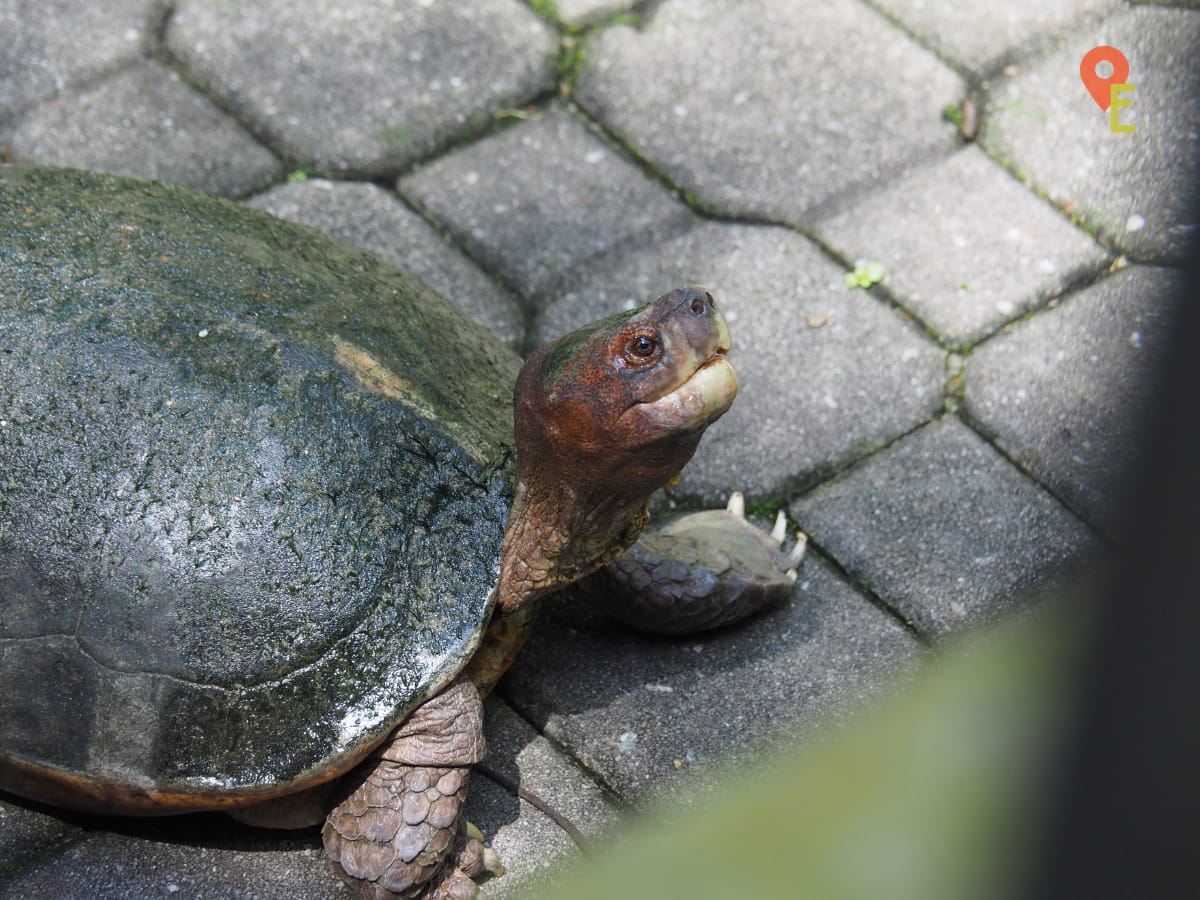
179,858
364,87
543,201
532,847
371,218
25,835
770,108
582,12
978,35
1189,4
944,529
1066,392
651,714
145,122
965,246
52,44
1133,189
826,372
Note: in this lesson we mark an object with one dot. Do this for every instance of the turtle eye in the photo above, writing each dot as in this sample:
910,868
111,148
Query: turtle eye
641,348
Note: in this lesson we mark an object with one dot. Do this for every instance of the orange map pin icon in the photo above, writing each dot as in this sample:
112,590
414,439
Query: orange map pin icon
1099,87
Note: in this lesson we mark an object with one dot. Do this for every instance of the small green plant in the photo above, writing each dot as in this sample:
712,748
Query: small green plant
547,9
866,273
298,175
570,60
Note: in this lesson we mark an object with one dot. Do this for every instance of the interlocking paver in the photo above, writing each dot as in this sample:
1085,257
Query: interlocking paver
26,834
162,860
646,711
944,529
531,846
53,44
826,372
371,218
581,12
1066,392
936,233
1133,189
144,121
978,35
543,200
770,108
360,86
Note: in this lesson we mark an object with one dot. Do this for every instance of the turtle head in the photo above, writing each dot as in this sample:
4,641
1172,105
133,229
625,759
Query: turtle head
620,404
603,417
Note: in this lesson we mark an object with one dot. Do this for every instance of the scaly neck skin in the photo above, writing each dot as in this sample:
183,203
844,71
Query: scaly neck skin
550,540
558,534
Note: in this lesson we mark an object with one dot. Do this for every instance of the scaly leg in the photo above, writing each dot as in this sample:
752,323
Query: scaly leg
397,832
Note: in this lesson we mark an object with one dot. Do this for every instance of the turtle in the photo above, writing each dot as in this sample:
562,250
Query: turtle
263,542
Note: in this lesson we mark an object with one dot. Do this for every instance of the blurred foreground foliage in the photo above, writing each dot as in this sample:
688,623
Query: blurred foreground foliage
940,793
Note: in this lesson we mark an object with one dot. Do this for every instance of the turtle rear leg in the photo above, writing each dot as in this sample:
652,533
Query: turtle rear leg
397,830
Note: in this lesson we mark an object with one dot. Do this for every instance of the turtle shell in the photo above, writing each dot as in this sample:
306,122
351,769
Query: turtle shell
252,489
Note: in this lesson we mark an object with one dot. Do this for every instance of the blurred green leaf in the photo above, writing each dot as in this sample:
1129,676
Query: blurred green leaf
939,794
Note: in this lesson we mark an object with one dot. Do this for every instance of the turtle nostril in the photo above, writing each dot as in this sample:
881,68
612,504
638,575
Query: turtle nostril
711,302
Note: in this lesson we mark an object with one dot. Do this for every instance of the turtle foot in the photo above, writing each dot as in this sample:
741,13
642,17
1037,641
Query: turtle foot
701,571
467,860
397,832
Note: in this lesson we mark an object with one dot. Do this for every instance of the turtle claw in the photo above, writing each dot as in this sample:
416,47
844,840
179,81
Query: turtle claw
796,556
491,862
736,505
780,530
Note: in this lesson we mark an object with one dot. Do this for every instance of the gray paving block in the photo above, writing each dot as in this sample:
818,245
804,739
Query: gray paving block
53,44
965,246
944,529
770,108
27,834
544,201
582,12
978,35
652,715
1066,392
1131,188
371,218
826,372
360,86
178,859
532,847
144,121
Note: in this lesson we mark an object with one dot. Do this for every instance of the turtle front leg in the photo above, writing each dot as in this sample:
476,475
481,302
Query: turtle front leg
397,832
704,570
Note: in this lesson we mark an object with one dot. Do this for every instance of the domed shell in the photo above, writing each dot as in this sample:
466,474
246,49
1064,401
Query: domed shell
252,490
